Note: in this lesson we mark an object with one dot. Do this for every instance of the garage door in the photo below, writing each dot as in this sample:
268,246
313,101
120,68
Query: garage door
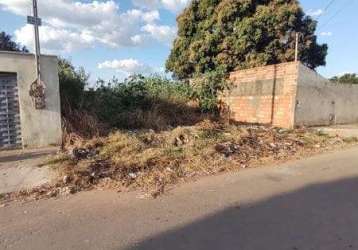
10,128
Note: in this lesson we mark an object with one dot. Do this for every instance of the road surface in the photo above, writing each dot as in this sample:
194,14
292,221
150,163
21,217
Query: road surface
301,205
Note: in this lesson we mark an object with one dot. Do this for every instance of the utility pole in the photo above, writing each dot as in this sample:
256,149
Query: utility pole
36,21
37,88
296,46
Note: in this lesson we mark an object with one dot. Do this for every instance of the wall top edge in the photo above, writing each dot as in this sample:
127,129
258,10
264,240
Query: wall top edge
16,53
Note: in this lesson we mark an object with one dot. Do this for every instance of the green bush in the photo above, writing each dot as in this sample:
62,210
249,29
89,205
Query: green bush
208,87
72,85
142,102
153,102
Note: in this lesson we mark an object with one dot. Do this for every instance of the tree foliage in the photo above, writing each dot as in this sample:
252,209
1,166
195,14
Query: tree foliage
72,84
346,78
236,34
7,44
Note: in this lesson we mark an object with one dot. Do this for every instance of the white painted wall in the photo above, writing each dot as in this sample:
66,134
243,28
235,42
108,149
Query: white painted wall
321,102
39,128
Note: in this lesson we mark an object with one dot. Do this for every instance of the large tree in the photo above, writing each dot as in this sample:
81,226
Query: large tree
7,44
237,34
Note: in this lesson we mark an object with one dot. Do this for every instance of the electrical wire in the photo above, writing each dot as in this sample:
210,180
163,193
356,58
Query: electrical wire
328,5
336,14
324,10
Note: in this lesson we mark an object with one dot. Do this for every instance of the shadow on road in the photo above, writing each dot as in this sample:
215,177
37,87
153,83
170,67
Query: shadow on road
323,216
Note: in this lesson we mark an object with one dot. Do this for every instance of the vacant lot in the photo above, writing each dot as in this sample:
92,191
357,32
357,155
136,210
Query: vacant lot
150,161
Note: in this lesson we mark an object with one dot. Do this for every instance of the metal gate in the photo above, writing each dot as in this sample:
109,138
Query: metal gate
10,128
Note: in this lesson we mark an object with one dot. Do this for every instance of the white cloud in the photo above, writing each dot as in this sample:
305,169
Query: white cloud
162,33
138,39
315,13
54,40
149,4
151,16
19,7
69,11
128,66
70,24
326,33
173,5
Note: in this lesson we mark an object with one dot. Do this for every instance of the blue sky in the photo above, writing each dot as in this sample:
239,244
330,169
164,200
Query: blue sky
120,37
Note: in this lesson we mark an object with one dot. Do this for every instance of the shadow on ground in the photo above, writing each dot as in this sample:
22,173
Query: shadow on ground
323,216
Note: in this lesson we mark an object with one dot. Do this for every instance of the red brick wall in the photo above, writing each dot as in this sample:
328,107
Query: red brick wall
264,95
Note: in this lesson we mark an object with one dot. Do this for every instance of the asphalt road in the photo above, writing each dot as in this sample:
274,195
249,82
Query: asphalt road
307,204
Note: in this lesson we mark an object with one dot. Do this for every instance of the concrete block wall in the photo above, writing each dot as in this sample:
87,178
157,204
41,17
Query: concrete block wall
39,128
288,95
321,102
264,95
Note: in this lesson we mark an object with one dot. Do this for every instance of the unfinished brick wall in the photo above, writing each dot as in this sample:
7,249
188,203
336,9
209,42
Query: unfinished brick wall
264,95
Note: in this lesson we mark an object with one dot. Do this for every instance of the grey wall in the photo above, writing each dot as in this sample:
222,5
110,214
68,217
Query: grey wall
39,128
321,102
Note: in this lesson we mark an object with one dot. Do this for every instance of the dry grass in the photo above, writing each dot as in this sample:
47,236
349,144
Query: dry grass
151,160
147,159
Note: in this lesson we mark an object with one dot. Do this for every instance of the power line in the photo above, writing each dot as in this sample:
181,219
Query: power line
329,5
336,14
326,8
